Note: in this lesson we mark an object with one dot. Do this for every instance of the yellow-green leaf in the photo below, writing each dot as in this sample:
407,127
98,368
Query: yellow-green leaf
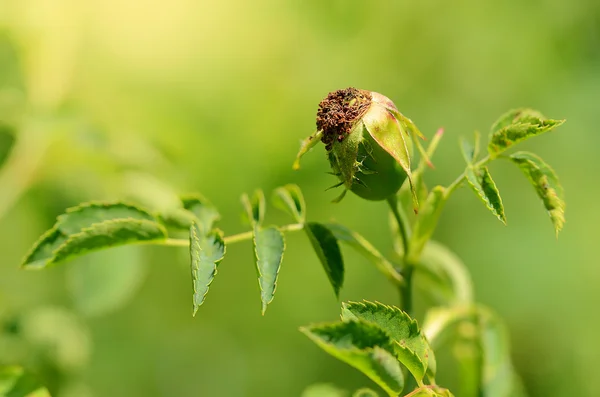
485,188
546,184
289,198
269,245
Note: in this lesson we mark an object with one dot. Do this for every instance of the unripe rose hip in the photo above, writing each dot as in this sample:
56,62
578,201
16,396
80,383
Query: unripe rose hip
368,142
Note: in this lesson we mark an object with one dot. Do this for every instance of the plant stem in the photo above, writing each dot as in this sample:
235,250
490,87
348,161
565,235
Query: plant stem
234,238
400,217
407,271
454,185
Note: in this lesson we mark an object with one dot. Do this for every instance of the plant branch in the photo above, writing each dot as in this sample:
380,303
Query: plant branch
400,217
234,238
461,178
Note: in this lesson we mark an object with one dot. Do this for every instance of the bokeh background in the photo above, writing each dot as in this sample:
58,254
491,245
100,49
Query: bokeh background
140,100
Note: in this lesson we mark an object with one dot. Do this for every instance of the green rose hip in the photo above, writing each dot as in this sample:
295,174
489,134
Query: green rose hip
368,142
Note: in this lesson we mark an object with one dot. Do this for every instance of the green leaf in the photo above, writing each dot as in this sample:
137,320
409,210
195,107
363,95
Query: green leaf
516,126
43,249
327,249
365,248
363,346
365,393
410,346
269,245
546,185
485,188
383,127
448,275
255,207
206,252
105,281
305,147
323,390
85,215
16,382
470,151
289,198
77,220
430,391
108,234
206,213
426,222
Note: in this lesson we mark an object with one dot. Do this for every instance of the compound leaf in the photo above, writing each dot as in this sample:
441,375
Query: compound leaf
206,252
546,184
365,347
269,245
328,250
484,186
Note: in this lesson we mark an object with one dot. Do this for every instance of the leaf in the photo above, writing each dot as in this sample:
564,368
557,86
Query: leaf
104,282
269,245
206,252
289,198
43,249
323,390
516,126
410,346
108,234
85,215
365,248
426,222
387,137
470,151
255,207
546,184
365,393
485,188
327,249
448,274
206,213
363,346
305,147
430,391
16,382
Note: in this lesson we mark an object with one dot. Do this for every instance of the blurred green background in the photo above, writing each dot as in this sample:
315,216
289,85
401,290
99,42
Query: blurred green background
138,100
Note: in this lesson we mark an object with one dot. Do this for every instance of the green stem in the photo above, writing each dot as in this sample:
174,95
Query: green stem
461,178
407,271
400,217
234,238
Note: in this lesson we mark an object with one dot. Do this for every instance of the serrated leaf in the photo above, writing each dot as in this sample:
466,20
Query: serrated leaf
289,198
43,249
426,222
363,346
323,390
410,346
516,126
108,234
104,282
447,274
206,213
365,393
16,382
254,207
365,248
305,147
206,252
269,245
85,215
327,249
546,184
485,188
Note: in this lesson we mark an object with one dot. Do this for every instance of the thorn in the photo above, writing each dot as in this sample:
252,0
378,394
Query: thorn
430,164
440,131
